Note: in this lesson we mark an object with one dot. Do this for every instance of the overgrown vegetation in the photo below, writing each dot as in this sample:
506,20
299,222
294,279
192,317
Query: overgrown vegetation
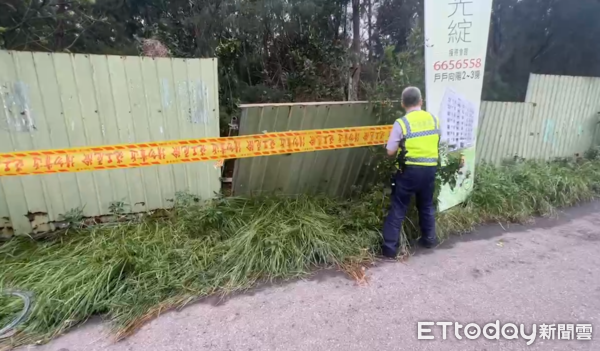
303,50
11,306
133,271
275,51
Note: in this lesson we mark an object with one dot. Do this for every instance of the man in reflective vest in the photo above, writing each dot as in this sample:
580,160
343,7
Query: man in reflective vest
414,141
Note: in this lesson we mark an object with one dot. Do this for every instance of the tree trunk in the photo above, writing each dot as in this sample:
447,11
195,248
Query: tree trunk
370,24
421,15
266,37
59,34
355,71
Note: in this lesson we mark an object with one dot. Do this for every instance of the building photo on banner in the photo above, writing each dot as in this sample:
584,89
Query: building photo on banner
456,37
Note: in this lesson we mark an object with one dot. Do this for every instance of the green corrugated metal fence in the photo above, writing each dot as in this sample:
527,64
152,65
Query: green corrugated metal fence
559,118
332,172
50,101
506,129
569,109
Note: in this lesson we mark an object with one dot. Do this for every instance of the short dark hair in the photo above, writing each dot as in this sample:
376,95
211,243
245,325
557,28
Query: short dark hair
411,96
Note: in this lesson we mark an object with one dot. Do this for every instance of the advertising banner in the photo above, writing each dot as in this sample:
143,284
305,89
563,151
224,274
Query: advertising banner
456,37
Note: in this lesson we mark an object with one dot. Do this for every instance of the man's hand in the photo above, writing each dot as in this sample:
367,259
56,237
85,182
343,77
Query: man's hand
391,153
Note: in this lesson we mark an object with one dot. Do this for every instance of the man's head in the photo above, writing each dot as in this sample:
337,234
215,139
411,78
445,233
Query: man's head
411,97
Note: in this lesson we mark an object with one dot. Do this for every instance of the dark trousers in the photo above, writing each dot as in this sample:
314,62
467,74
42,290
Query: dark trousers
420,181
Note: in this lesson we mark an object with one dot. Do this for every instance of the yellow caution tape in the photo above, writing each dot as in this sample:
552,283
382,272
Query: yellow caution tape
182,151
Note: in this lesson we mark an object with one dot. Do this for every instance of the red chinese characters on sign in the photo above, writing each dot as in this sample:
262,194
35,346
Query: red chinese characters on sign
136,154
188,151
348,137
147,154
88,159
322,140
106,158
292,142
43,163
66,161
226,148
157,153
99,158
176,152
194,150
13,165
49,163
373,136
258,145
116,156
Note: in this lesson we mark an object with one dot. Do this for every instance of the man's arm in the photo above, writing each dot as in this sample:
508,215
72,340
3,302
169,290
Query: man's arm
394,140
439,128
439,131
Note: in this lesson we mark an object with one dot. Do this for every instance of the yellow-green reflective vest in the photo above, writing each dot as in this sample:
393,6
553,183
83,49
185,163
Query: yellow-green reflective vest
421,136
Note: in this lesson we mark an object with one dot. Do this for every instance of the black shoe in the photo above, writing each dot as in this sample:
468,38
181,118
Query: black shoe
387,256
426,244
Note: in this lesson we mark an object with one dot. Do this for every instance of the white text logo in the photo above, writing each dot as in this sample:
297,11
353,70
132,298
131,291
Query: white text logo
508,331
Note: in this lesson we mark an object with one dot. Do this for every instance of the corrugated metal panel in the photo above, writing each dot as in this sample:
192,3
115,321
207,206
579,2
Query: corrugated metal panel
52,101
331,172
505,130
568,110
559,118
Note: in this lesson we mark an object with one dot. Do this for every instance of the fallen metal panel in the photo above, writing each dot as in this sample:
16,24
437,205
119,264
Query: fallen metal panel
55,101
331,172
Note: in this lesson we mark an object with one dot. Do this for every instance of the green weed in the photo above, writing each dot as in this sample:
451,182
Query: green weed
133,271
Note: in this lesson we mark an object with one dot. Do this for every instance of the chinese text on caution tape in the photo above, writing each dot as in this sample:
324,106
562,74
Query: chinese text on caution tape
181,151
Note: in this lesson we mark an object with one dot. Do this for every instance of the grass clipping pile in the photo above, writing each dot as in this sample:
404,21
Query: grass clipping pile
132,272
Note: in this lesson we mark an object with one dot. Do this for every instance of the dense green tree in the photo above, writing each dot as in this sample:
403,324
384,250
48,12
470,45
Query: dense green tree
298,50
395,21
540,36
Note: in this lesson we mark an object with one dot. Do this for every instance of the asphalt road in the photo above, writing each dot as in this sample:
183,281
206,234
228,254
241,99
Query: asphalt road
545,273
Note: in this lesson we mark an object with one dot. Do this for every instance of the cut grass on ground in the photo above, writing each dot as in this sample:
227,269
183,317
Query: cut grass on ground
132,272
